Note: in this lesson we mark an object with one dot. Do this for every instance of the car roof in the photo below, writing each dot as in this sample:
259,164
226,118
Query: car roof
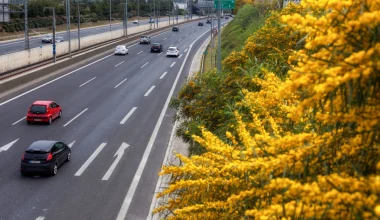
42,145
120,45
172,47
42,102
156,44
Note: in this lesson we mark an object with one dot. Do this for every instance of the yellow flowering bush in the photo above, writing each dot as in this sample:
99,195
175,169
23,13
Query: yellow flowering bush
306,147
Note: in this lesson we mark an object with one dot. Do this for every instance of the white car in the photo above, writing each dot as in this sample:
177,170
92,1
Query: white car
135,22
172,51
48,38
121,49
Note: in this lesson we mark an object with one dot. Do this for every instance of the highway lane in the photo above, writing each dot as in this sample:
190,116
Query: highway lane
35,41
87,196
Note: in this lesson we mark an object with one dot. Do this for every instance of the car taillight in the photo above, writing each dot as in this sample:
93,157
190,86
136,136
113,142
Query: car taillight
49,157
23,157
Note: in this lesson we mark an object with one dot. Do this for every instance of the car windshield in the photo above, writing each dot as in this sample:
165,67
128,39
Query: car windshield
172,49
143,36
47,36
156,45
38,109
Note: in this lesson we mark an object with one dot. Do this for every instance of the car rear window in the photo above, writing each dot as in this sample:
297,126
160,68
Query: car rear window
38,109
172,49
35,155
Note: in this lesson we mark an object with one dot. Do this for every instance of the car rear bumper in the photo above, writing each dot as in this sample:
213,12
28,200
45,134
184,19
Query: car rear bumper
37,119
36,168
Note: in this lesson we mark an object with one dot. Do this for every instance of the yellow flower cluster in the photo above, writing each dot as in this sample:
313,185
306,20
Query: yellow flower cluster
308,148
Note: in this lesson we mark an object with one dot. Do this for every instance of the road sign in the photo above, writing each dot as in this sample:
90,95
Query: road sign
4,11
205,52
226,4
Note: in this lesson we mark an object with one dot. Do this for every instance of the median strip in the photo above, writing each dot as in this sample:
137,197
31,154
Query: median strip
75,117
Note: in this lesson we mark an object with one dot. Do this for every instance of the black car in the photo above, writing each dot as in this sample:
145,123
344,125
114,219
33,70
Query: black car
156,47
44,157
200,23
208,22
226,17
175,28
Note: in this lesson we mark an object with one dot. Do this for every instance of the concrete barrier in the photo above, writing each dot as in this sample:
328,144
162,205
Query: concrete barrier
13,61
27,77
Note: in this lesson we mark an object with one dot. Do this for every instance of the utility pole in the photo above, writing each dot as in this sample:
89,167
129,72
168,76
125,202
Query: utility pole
212,38
68,24
154,13
138,12
219,36
26,25
54,51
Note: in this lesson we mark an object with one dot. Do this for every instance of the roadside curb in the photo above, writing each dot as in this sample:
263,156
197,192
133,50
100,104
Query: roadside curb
176,145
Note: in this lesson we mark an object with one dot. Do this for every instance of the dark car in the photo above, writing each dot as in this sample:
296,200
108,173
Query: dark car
156,47
175,28
208,22
44,157
200,23
226,17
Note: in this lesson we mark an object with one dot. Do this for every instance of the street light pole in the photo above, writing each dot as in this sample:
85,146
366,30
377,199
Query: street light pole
26,25
138,12
126,17
78,27
219,36
110,16
54,51
68,24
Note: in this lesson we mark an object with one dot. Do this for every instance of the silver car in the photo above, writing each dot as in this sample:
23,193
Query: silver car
48,38
144,40
121,49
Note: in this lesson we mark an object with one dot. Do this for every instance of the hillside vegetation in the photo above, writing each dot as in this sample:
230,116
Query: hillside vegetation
290,128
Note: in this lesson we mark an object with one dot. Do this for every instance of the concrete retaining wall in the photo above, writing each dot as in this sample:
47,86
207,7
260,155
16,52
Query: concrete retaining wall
9,62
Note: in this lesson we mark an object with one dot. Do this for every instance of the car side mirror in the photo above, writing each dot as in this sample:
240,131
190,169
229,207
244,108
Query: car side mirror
57,105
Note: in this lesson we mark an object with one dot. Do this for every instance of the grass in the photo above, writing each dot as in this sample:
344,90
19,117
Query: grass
207,60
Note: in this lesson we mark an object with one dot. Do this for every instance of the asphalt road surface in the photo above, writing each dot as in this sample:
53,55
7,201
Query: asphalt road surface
114,112
14,46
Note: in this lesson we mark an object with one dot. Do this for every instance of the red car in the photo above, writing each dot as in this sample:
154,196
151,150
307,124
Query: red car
43,111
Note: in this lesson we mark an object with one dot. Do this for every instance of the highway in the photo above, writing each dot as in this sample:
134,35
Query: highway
35,41
116,120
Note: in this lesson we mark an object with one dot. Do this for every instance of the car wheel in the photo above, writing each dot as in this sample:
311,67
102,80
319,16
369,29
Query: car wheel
50,120
55,170
68,157
28,122
60,114
24,173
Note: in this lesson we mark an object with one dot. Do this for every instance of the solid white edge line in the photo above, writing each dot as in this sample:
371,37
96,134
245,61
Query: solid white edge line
90,159
144,65
139,52
120,83
19,120
51,81
128,115
87,82
151,88
163,75
119,63
159,182
172,64
75,117
136,179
